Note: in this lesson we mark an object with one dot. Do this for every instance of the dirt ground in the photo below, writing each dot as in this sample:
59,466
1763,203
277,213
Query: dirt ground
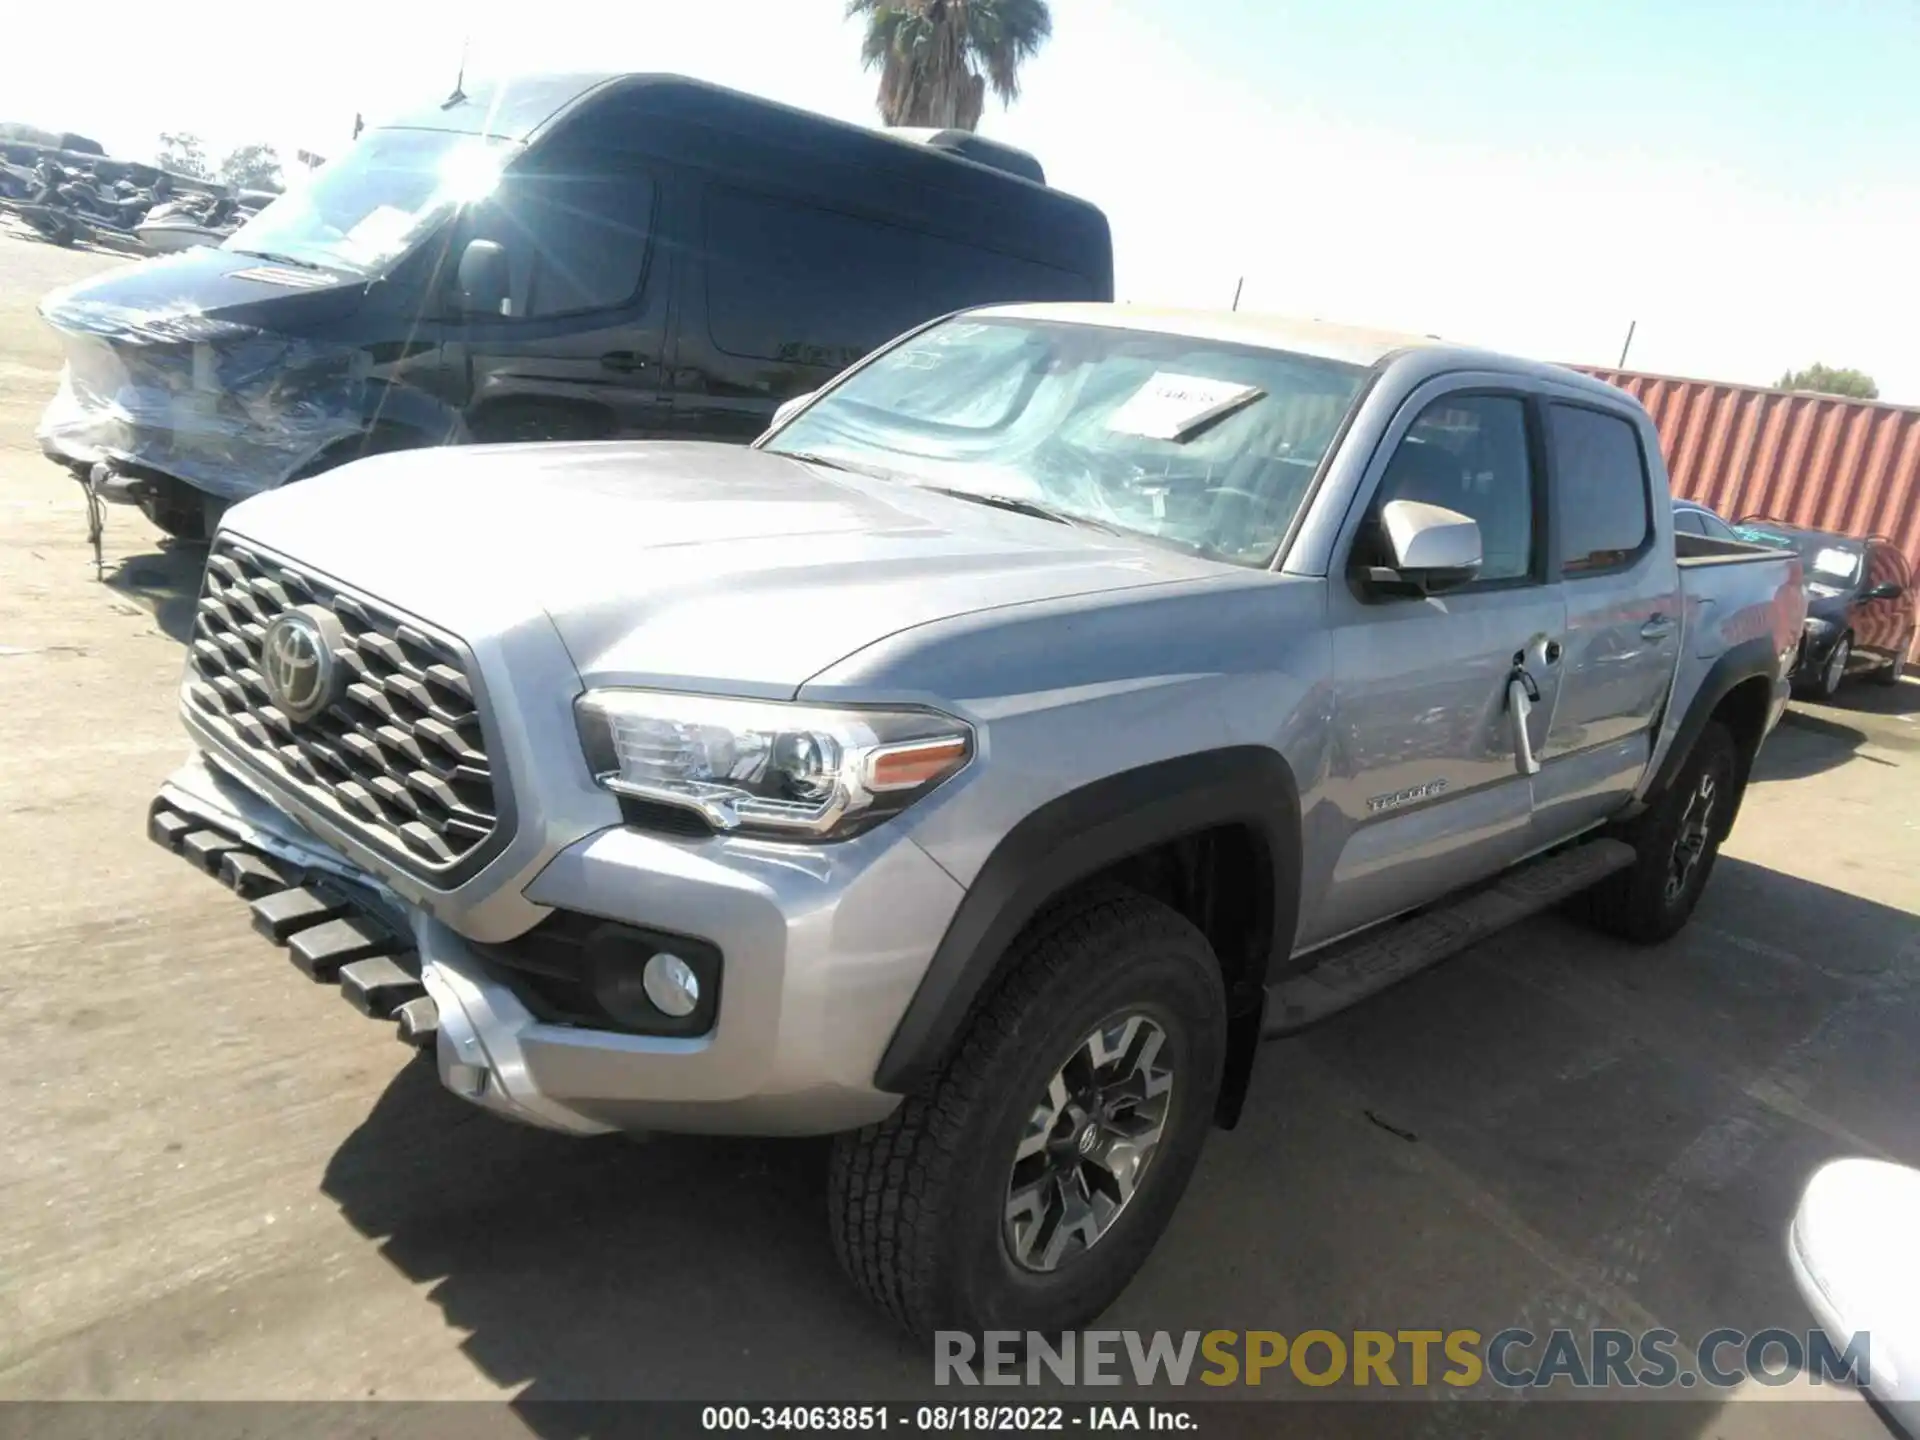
217,1181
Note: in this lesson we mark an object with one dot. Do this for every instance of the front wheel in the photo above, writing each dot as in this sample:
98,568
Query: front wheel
1676,842
1025,1187
1835,670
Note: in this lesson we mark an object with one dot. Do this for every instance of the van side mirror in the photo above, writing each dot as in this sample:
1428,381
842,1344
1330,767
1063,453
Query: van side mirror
482,279
1429,549
1885,590
790,408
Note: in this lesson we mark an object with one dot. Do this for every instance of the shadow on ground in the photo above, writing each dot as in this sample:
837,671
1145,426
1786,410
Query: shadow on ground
166,582
1647,1116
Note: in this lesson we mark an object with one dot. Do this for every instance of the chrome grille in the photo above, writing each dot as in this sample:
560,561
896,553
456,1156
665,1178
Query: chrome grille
400,760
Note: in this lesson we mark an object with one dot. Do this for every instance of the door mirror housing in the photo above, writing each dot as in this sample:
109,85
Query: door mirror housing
790,408
1885,590
1429,549
482,279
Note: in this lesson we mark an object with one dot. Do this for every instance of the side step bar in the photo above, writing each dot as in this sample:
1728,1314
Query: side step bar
1389,953
329,938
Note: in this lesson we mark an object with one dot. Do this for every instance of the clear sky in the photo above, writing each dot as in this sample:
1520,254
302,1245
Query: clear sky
1739,176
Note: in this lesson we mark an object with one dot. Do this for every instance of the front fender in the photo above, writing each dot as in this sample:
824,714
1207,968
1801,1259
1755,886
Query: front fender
1077,835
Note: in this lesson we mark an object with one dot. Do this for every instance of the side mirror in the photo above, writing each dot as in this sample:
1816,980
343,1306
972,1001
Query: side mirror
790,408
1429,549
482,279
1885,590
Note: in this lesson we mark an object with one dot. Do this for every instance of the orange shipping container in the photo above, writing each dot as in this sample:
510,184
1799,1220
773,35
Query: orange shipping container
1814,460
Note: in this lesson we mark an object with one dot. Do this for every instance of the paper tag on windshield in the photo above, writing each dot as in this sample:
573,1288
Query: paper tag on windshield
1172,407
1834,562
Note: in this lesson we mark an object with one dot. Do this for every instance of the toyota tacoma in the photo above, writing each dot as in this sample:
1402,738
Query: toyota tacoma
979,766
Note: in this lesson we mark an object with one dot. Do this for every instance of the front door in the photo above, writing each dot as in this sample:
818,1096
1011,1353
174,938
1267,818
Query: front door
580,353
1622,592
1426,784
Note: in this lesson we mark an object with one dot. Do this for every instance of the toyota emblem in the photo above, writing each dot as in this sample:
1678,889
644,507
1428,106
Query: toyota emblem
297,661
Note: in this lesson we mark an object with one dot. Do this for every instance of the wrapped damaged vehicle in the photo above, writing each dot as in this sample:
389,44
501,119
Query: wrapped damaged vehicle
567,257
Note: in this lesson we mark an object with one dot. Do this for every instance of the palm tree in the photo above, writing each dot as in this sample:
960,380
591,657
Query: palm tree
937,58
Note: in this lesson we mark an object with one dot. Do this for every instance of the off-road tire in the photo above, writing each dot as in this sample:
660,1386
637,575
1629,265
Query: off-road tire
1635,903
917,1202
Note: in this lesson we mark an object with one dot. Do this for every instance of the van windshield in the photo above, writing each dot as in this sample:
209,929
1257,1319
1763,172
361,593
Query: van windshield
1203,444
365,210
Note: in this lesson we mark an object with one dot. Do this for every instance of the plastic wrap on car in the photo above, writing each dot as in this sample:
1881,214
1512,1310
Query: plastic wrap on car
228,408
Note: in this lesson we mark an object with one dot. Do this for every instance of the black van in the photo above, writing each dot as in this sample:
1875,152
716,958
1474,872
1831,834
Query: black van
560,257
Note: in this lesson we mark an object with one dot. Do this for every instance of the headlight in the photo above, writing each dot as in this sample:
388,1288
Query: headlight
764,767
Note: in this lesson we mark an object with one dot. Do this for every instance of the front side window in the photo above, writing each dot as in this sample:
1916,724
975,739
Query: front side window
575,228
1600,488
1205,445
1469,453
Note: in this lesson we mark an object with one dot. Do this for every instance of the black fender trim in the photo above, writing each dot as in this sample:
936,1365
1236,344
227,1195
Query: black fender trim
1749,660
1081,833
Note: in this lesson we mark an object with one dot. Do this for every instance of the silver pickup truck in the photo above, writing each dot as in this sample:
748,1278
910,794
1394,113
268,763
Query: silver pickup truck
979,766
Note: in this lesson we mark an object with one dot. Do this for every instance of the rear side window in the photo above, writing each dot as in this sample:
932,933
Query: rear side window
1689,522
792,283
1714,526
1601,488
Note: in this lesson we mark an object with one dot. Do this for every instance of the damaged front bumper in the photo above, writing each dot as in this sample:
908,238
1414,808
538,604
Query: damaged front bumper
815,957
390,960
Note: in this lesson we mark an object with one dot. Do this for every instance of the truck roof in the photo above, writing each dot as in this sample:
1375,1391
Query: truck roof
1325,340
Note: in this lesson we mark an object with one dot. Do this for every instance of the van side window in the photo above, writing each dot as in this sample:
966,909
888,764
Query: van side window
792,283
1470,454
576,232
1600,488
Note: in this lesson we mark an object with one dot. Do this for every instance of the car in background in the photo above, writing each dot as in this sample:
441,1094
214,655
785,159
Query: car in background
554,258
1854,1255
1860,603
1693,518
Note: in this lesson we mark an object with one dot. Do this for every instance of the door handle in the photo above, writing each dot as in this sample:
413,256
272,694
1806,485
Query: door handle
1658,628
624,361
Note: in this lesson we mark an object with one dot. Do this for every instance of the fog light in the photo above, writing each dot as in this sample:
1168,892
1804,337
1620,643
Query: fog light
671,985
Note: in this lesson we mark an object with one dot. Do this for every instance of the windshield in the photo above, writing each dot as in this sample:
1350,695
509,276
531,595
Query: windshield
1830,560
366,209
1208,445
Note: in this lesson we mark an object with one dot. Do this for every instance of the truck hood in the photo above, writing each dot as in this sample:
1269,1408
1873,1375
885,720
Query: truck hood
688,566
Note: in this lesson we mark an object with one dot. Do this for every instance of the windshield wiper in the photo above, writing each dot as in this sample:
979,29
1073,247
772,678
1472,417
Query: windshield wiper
827,462
1020,505
279,259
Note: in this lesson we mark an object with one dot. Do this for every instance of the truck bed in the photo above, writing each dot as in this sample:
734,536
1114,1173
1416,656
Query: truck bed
1734,595
1698,550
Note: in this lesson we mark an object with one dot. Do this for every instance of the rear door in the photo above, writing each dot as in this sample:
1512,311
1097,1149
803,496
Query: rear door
1426,783
580,353
1622,591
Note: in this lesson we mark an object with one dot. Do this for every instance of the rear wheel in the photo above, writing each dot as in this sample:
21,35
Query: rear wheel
1024,1188
1890,673
1676,842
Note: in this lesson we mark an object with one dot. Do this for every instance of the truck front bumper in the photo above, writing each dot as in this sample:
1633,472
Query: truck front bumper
821,954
